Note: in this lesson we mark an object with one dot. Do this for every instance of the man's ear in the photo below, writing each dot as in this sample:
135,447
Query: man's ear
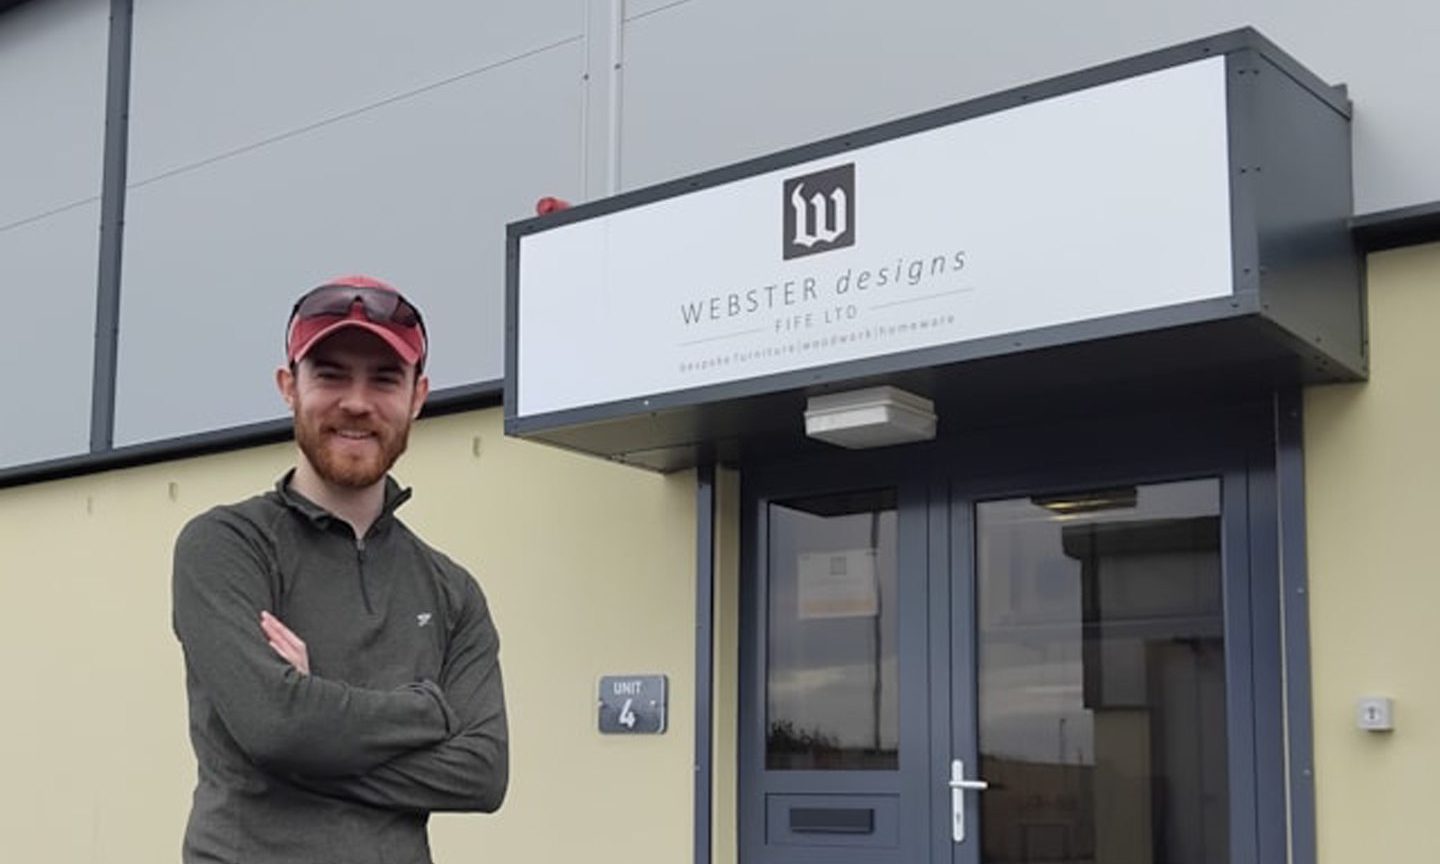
285,382
417,401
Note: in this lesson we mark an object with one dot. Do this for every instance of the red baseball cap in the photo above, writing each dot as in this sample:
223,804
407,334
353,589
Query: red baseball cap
357,301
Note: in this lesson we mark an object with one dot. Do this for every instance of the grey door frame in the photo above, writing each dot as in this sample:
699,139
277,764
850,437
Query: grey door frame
938,484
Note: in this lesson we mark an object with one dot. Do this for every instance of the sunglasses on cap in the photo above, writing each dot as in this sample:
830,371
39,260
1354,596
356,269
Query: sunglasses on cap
328,308
380,305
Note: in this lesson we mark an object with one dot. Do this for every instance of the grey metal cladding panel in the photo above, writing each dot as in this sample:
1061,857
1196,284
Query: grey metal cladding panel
1299,173
709,82
417,191
213,77
47,274
52,99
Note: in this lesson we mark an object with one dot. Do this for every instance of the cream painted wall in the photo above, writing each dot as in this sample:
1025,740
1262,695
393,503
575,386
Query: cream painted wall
1372,473
589,568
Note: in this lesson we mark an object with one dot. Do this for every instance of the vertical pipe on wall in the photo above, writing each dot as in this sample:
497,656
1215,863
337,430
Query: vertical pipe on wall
1295,621
112,227
704,655
617,34
585,88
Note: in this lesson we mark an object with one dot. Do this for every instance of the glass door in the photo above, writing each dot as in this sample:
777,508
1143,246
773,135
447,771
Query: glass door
835,739
832,678
1089,659
1055,644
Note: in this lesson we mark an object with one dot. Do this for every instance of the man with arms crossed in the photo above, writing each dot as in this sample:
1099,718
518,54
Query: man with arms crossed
343,676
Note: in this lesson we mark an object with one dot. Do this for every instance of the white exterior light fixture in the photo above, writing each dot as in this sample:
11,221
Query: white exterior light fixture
873,417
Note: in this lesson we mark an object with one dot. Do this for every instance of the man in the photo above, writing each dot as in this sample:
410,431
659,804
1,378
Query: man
343,676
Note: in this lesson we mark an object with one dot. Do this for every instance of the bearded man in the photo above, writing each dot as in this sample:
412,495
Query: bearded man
343,676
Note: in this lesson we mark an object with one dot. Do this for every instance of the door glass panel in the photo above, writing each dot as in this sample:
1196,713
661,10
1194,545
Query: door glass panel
1102,677
831,682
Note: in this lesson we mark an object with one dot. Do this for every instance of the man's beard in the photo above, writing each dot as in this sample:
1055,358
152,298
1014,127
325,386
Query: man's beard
345,471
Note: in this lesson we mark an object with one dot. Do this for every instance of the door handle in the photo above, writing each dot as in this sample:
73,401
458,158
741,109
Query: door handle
959,784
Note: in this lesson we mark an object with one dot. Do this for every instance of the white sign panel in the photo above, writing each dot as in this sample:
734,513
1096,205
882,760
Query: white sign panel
838,584
1102,201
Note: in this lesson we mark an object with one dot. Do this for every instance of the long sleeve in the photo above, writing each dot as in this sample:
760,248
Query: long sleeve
284,721
468,772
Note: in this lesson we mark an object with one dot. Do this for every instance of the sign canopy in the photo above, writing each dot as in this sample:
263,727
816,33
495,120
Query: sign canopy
1158,194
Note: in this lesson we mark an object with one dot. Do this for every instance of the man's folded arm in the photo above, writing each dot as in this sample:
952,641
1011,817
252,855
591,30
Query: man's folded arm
469,772
285,721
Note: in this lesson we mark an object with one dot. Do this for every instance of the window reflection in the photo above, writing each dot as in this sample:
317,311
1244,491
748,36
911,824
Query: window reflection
831,682
1101,678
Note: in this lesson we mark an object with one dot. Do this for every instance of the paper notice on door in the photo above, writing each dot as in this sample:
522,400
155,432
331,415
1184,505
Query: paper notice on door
838,584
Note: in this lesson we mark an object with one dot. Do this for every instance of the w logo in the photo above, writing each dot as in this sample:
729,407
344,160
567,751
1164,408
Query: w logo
819,212
816,213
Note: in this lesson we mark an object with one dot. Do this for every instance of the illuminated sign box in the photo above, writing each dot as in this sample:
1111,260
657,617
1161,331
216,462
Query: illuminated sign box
1161,192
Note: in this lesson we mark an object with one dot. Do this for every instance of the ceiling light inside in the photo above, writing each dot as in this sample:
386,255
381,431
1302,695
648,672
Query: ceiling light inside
1089,501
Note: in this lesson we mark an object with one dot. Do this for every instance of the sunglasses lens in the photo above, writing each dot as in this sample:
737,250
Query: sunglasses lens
380,306
325,301
404,314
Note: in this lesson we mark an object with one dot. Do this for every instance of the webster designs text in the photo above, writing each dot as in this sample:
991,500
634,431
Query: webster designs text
804,295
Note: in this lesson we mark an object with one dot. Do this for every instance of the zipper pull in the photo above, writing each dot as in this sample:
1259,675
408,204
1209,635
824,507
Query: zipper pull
360,573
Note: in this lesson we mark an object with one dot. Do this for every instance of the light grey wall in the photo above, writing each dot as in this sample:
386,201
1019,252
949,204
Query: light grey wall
754,76
52,101
52,95
48,265
276,144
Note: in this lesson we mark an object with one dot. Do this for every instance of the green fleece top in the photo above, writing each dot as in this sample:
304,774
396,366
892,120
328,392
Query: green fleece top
403,712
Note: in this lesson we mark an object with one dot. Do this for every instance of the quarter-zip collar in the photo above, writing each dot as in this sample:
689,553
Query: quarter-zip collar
321,518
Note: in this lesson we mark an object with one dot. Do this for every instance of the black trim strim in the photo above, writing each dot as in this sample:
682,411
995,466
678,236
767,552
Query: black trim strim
451,400
1392,229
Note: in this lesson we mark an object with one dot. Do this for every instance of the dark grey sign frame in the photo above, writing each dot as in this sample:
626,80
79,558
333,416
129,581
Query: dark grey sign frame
1296,314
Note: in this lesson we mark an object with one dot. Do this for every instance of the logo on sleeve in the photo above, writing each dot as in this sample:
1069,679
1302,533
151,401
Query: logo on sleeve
423,618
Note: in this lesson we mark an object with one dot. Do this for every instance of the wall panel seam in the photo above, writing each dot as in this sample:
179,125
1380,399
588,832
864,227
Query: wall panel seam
355,112
40,217
648,12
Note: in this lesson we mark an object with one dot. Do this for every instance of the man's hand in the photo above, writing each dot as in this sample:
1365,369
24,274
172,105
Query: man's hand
285,642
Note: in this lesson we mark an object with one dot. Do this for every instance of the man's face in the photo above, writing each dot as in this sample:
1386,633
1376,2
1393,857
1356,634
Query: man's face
353,401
